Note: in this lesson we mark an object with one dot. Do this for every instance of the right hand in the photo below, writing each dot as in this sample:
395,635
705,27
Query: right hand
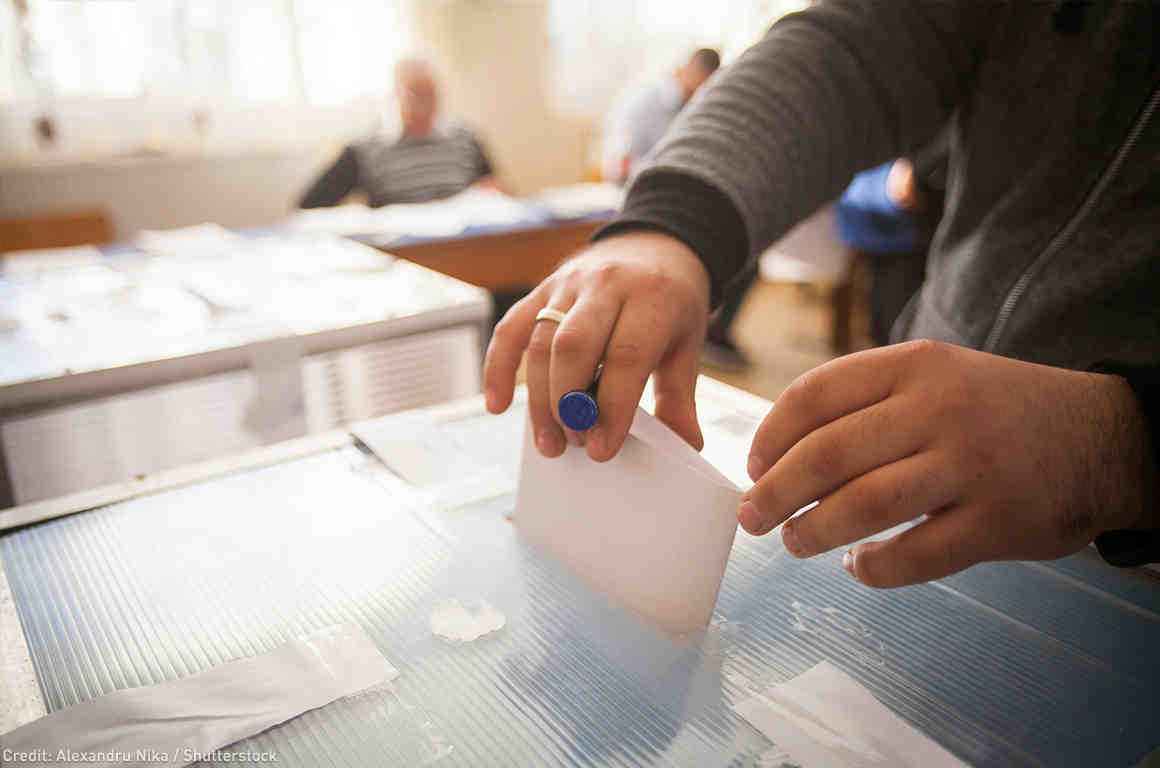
639,302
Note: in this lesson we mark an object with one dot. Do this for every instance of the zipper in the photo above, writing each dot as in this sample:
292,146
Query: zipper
1056,244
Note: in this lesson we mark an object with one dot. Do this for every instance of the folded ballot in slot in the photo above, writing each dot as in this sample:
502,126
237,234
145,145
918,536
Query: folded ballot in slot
652,528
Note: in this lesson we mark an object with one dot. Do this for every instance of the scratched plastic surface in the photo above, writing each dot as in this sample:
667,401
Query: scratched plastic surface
1009,664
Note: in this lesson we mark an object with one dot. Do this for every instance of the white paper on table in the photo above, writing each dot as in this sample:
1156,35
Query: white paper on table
348,219
652,528
201,239
825,717
212,709
449,461
576,200
31,263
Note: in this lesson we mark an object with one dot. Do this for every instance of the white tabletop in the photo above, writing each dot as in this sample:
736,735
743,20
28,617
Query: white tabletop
127,319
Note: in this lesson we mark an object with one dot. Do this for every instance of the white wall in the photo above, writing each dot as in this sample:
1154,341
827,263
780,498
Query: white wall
148,165
494,57
243,189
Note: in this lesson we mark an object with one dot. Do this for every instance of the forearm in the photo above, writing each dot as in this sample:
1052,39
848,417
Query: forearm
1132,534
828,92
335,183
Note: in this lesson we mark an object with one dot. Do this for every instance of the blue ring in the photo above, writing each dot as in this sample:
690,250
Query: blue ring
578,410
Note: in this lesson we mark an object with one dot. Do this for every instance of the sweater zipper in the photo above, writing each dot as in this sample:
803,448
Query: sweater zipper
1056,244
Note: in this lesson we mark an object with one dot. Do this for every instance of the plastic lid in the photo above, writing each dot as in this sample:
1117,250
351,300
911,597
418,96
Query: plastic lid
578,410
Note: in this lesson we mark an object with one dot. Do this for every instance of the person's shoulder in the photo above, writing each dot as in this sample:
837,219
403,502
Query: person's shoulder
649,95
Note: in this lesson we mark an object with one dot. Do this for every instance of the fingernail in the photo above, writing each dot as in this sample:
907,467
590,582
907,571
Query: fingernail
545,441
848,561
789,538
595,441
748,517
489,400
755,467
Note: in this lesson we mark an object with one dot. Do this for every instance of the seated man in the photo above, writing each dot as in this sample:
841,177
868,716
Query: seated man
427,161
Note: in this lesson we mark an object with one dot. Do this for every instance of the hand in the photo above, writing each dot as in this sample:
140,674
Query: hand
640,303
900,186
1007,460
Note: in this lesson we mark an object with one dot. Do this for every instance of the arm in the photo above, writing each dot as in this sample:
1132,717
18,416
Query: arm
335,183
828,92
839,87
1138,541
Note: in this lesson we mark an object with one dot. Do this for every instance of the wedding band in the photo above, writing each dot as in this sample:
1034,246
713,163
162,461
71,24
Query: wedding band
547,313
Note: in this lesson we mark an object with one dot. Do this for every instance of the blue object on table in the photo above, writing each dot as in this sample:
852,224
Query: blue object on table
868,220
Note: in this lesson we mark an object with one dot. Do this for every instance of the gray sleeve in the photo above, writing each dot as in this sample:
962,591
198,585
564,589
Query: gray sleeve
830,91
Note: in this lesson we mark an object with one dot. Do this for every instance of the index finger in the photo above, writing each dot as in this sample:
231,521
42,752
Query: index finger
506,348
828,392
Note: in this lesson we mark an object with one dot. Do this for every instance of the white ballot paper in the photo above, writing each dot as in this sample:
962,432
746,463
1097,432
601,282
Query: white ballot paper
180,721
825,717
652,528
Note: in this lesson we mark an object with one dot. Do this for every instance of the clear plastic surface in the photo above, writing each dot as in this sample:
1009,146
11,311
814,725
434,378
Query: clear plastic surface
1007,664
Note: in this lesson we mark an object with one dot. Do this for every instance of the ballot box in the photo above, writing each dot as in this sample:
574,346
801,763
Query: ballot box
162,577
197,343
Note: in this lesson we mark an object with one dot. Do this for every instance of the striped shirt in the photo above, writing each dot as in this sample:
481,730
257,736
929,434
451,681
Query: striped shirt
403,170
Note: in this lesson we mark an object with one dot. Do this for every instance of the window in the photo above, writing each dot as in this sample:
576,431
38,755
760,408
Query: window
89,48
236,51
601,46
348,49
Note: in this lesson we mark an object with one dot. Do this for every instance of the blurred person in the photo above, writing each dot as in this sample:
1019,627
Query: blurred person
888,216
428,160
1017,415
632,130
636,124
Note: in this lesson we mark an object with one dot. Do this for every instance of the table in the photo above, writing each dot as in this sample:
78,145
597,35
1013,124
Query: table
1004,664
485,238
124,363
509,259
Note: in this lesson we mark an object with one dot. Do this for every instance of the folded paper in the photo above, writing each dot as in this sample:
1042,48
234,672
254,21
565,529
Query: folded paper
175,722
825,717
652,528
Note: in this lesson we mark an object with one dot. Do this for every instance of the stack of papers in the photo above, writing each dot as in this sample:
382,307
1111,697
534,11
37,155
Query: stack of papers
436,219
31,264
579,200
201,239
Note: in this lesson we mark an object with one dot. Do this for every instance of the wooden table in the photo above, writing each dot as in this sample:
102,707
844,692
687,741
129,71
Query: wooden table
515,258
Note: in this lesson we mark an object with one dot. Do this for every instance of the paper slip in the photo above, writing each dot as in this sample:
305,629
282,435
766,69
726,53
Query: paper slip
174,722
651,528
198,240
825,717
24,264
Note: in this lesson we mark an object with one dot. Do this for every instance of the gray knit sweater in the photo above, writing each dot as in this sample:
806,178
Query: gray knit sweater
1049,249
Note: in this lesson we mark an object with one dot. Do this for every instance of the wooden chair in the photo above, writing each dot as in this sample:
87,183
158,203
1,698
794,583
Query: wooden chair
56,229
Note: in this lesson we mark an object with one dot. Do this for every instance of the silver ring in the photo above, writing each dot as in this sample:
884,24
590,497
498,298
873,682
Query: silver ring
547,313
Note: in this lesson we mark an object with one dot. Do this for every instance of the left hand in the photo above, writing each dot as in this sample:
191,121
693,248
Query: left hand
1007,460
